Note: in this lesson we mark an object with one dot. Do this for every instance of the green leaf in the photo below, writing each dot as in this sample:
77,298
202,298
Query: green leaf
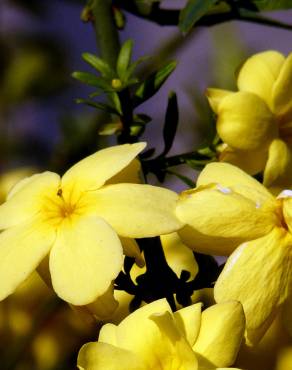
170,122
273,4
198,164
192,12
124,58
153,83
142,118
110,128
114,97
101,106
133,67
99,64
92,80
185,179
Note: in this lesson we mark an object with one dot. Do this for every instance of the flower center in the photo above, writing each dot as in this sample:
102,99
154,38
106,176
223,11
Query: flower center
56,209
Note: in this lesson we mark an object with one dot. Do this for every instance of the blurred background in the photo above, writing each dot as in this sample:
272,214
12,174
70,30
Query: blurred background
42,127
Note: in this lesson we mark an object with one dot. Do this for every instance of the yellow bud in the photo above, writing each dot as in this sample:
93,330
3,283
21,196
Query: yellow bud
116,83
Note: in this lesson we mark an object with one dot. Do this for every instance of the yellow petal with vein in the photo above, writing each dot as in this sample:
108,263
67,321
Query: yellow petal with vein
188,320
93,171
215,97
131,249
278,171
249,161
221,333
219,219
179,257
257,275
245,122
135,210
27,198
85,258
132,173
236,179
259,73
172,348
128,337
22,248
102,356
282,90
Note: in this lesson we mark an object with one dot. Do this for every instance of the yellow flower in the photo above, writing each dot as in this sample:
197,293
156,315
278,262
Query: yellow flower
155,338
75,221
255,123
230,212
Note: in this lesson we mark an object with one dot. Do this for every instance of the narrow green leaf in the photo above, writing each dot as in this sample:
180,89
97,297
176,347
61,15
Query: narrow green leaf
185,179
110,128
92,80
192,12
124,58
133,67
99,64
273,4
114,97
147,154
101,106
153,83
170,122
198,164
142,118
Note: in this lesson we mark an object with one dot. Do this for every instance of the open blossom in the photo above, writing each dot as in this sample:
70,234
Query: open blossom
79,223
155,338
255,123
231,213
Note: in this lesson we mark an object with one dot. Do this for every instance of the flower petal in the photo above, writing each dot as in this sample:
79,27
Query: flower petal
287,208
103,307
188,319
221,333
21,250
171,349
219,219
278,171
236,179
131,249
85,258
249,161
215,97
259,73
27,198
135,210
179,257
245,122
282,90
103,356
93,171
257,274
132,173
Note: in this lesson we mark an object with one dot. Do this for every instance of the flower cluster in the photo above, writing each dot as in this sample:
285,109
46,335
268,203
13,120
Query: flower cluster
88,234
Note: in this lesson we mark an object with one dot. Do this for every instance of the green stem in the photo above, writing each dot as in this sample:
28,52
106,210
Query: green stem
106,33
108,41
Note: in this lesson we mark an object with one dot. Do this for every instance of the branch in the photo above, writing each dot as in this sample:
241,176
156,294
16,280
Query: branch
106,33
170,17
